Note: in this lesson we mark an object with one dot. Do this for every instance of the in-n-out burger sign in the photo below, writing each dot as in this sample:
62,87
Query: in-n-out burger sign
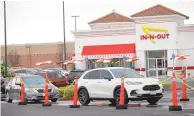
148,36
152,36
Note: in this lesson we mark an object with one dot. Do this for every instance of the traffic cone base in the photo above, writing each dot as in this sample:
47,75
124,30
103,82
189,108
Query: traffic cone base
74,106
175,108
120,107
184,99
22,103
47,104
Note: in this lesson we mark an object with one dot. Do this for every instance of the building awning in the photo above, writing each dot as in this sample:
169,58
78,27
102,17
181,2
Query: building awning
108,49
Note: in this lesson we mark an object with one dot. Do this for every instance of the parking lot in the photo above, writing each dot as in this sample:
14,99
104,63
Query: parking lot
96,108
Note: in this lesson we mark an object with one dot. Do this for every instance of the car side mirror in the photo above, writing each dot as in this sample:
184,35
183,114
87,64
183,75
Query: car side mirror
108,78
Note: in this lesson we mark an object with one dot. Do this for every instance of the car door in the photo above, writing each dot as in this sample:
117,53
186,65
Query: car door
107,85
90,81
15,89
9,87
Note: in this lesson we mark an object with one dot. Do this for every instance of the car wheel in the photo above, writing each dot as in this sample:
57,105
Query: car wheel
8,98
54,100
153,101
117,97
83,97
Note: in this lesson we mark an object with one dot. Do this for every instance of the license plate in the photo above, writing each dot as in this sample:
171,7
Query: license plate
152,93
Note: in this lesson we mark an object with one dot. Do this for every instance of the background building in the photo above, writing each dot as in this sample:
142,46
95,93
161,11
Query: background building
27,55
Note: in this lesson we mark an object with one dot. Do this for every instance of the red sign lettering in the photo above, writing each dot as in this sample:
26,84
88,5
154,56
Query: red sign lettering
152,36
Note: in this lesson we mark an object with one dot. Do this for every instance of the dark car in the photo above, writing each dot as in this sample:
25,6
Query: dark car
55,77
4,82
73,74
2,88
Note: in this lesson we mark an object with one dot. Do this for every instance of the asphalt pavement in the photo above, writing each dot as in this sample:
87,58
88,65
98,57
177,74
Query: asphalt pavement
96,108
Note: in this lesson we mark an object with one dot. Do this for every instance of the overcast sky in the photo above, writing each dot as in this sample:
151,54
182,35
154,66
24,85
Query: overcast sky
42,21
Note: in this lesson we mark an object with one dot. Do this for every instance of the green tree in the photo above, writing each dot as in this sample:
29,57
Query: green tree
3,69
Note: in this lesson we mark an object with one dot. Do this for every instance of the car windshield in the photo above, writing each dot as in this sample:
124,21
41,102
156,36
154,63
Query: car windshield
35,80
127,72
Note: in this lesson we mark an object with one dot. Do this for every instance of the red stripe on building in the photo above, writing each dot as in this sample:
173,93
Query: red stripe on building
109,49
170,68
180,68
140,69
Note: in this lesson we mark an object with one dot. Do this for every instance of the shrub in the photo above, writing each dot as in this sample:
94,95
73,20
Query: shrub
66,92
61,92
167,85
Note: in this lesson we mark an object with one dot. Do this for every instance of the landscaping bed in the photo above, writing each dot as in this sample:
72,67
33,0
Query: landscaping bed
66,93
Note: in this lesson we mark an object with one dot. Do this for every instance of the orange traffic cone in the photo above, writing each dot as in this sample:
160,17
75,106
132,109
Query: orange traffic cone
184,89
75,97
175,106
46,97
122,104
22,93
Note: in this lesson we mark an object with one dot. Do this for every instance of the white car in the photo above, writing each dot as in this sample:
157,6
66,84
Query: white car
104,84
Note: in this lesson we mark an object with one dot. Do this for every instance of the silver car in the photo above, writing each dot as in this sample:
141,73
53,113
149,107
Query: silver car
34,89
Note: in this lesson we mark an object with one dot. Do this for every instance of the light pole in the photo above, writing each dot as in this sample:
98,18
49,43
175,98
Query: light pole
5,30
64,39
75,21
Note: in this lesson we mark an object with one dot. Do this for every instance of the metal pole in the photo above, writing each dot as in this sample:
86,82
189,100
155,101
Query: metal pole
75,22
64,39
5,30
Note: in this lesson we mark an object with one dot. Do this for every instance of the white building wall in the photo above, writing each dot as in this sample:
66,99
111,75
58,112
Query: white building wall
141,63
185,46
160,44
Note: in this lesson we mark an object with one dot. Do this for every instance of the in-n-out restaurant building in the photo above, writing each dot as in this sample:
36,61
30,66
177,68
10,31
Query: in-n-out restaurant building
152,35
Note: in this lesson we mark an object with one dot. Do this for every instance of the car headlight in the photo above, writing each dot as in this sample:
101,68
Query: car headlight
133,83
